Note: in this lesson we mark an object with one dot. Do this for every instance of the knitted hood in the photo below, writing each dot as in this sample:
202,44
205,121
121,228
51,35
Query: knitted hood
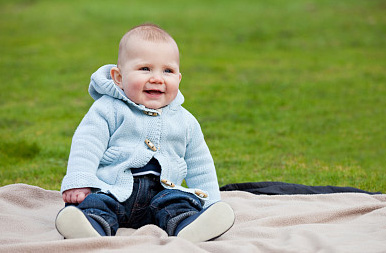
102,84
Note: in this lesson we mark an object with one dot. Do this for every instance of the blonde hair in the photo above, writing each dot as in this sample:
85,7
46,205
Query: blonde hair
147,31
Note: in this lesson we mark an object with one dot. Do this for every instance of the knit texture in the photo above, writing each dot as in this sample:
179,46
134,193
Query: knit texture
110,140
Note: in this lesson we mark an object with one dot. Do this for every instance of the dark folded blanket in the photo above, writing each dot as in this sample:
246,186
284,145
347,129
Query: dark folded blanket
280,188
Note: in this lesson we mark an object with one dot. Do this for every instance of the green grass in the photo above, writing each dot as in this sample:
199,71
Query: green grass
291,91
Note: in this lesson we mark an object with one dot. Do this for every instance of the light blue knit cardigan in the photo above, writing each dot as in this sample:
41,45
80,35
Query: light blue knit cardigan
111,139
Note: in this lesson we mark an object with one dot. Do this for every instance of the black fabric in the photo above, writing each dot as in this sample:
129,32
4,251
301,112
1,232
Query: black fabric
151,166
280,188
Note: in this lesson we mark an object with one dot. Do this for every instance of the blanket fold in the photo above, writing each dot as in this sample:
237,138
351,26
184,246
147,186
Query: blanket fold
336,222
281,188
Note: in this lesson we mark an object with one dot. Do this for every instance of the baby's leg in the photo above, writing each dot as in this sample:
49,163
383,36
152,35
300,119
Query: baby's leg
169,207
95,216
181,214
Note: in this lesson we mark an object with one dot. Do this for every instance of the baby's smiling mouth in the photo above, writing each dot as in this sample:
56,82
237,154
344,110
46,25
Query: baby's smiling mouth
154,92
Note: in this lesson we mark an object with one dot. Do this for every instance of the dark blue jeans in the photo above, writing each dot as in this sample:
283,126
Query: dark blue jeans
149,203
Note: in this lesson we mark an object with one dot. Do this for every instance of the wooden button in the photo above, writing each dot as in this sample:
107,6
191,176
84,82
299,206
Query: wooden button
201,194
150,113
168,183
150,145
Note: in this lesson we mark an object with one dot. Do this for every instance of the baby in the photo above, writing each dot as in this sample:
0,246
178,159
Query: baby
136,146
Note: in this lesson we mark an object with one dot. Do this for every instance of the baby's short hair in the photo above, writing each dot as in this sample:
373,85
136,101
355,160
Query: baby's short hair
150,32
147,31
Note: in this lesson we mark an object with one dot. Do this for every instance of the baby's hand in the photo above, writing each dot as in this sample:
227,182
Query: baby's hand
76,195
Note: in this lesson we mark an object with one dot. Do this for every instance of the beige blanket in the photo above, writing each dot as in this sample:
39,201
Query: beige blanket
344,222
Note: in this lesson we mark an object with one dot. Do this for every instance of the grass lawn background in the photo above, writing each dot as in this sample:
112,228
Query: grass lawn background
291,91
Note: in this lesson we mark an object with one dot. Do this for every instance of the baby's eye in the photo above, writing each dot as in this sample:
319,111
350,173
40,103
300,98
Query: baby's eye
144,69
169,71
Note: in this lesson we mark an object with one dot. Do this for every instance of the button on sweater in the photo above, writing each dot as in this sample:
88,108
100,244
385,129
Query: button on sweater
116,135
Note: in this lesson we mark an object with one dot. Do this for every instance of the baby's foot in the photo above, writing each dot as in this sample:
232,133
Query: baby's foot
71,222
208,224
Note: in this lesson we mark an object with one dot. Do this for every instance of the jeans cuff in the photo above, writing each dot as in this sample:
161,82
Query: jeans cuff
173,222
102,222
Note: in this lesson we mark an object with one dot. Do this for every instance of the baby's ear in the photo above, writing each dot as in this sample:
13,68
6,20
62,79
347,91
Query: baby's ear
115,74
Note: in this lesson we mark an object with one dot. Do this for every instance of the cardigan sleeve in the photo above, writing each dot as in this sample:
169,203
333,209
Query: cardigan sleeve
201,170
89,143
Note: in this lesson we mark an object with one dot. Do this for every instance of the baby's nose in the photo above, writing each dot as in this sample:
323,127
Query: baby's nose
156,78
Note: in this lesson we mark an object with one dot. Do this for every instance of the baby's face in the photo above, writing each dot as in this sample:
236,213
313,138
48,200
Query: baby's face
150,72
